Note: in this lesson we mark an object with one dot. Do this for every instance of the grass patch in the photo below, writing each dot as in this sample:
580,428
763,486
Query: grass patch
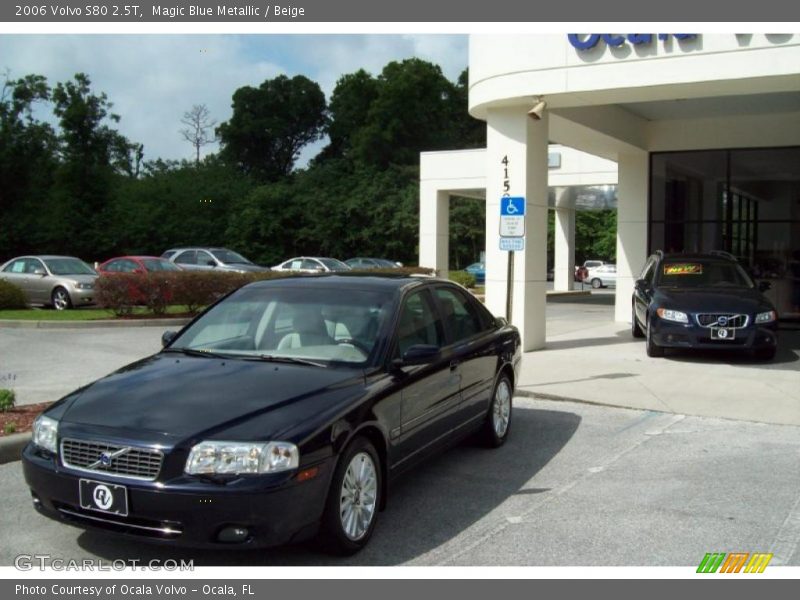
79,314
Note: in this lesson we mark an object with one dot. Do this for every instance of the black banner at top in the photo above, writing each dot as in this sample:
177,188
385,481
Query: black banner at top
438,11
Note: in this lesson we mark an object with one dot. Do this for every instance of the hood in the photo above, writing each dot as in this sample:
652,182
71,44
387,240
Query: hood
182,396
711,300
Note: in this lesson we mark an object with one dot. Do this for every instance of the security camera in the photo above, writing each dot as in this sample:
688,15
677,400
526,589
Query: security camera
536,112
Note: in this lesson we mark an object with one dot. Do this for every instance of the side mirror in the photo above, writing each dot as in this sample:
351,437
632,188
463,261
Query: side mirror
500,322
418,354
763,286
39,271
167,337
641,286
211,263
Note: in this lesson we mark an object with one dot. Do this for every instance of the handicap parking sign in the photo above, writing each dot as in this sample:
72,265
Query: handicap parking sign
512,206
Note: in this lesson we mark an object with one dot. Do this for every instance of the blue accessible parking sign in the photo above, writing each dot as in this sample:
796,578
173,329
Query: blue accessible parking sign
512,206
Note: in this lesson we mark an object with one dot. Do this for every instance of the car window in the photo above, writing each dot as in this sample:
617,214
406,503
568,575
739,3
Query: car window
18,266
313,265
69,266
702,273
188,257
417,324
112,266
648,271
461,321
294,264
205,259
230,257
158,264
127,266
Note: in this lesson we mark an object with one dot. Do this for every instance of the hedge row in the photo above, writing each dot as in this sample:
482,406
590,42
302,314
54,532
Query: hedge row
11,296
193,289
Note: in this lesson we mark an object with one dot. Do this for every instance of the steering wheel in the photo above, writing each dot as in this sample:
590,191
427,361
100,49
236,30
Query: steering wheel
356,344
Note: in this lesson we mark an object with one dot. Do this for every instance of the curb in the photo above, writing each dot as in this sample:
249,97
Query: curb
551,293
97,324
11,446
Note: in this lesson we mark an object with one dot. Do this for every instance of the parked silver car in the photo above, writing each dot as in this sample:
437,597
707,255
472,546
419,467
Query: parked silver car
311,264
203,259
602,276
59,281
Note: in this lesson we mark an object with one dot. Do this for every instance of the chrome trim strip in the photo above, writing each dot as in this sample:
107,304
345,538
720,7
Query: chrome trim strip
730,316
111,473
164,530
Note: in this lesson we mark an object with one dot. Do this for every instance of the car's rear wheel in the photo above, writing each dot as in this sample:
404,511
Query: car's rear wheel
653,349
636,331
498,421
596,283
354,499
60,299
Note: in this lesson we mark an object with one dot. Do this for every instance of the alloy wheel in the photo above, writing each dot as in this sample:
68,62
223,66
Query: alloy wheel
358,497
501,411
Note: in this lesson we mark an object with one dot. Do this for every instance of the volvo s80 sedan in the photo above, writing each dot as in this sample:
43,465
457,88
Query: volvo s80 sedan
283,411
702,301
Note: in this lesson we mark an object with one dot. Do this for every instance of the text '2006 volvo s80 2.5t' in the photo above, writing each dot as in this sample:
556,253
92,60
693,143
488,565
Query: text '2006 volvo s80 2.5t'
283,411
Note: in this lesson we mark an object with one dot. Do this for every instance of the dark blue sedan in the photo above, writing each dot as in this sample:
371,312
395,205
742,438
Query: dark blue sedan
282,412
477,269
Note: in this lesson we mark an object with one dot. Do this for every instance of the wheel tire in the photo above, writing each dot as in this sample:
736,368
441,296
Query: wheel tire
636,331
498,421
340,534
60,299
596,283
653,350
765,354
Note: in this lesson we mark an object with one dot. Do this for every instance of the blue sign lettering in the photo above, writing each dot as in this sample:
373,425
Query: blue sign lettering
587,41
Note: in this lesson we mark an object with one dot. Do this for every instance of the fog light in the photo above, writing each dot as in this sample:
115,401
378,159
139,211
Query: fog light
36,501
233,535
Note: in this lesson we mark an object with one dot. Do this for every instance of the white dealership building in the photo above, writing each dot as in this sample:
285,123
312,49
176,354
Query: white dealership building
700,134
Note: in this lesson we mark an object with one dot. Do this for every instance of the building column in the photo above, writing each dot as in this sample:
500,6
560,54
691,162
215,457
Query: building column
434,228
632,191
524,142
564,242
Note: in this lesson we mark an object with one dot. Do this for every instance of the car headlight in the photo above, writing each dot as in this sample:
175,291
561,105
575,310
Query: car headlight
45,433
766,317
672,315
214,458
85,286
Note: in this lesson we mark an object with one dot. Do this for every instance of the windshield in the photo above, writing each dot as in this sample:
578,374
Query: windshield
159,264
68,266
703,273
333,264
230,257
307,323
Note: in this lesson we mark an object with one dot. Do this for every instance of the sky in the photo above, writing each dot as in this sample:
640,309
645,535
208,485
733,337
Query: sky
152,80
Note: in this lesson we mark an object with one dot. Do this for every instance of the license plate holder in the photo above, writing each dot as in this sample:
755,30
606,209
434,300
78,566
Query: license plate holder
104,497
723,334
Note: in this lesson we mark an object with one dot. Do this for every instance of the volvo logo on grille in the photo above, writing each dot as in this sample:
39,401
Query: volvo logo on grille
722,321
106,458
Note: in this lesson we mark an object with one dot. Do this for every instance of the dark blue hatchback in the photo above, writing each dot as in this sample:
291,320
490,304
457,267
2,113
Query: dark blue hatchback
703,301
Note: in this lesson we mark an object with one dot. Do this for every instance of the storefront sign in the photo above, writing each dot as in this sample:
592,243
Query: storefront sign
586,41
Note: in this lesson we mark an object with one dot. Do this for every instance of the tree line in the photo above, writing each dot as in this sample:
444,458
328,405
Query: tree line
79,187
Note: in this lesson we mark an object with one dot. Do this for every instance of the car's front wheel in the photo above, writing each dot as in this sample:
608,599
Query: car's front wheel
354,499
60,299
498,421
653,349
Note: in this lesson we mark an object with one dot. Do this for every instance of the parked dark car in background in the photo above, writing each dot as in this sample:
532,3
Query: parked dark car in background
58,281
312,264
203,259
136,264
702,301
284,410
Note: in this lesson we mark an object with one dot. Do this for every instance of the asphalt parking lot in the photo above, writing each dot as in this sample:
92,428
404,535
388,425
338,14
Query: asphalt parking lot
577,484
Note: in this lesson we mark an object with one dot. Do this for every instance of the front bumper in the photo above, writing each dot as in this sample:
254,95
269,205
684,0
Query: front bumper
81,297
189,512
670,334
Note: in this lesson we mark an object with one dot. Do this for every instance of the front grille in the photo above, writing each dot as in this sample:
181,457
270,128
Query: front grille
112,459
729,320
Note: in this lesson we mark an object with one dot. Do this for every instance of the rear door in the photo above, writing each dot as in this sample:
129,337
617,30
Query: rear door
471,346
39,287
15,273
187,260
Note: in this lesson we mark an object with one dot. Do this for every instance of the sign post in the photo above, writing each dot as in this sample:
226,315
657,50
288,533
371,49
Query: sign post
512,239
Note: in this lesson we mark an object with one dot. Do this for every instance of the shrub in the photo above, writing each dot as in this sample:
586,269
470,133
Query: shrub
463,278
10,428
8,400
11,296
118,292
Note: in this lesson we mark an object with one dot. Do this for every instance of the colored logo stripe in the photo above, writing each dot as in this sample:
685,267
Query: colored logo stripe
711,562
758,562
735,561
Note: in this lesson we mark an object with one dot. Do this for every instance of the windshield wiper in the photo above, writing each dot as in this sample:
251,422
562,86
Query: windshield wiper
196,352
290,360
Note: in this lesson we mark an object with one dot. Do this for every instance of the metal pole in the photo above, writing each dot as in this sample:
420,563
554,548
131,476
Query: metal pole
509,285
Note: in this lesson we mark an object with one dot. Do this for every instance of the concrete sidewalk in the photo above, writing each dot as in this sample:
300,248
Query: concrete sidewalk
590,358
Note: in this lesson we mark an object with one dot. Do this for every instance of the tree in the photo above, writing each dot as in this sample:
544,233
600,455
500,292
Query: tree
271,124
348,111
199,130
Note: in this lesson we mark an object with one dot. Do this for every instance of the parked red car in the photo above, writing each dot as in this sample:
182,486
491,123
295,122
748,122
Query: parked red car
136,264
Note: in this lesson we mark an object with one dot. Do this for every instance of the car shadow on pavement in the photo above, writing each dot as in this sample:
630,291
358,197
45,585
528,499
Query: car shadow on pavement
428,507
620,337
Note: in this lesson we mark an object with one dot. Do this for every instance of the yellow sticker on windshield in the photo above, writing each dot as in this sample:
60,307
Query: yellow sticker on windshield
683,269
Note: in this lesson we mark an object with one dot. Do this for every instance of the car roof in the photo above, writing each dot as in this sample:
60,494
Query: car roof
136,257
182,248
45,257
349,281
